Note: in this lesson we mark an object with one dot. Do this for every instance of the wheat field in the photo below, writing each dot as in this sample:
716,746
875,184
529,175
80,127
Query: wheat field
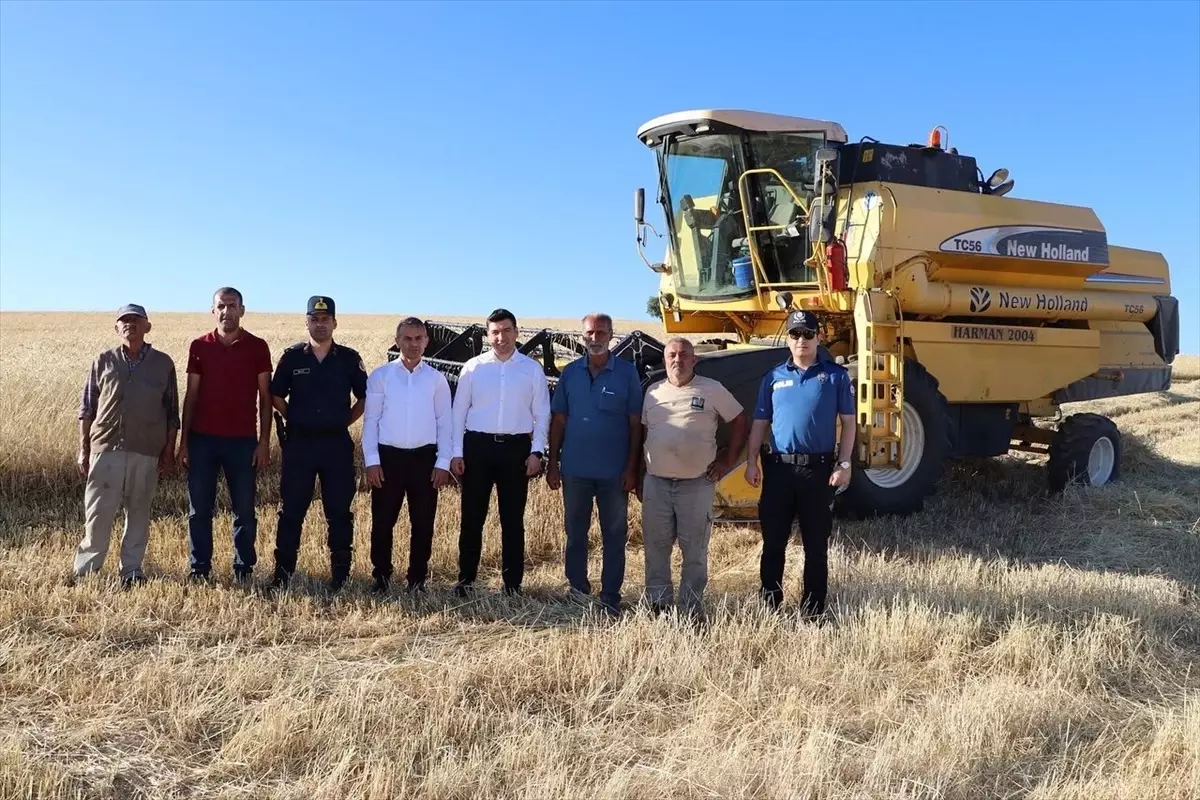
1004,643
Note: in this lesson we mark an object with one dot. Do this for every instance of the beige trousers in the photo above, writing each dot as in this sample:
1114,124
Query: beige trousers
676,510
116,479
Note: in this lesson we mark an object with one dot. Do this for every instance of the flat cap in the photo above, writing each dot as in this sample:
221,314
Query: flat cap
134,309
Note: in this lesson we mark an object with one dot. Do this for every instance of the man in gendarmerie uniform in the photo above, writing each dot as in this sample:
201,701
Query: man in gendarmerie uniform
311,388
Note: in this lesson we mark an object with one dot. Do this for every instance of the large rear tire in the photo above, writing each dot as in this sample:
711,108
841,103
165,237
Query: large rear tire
926,438
1086,448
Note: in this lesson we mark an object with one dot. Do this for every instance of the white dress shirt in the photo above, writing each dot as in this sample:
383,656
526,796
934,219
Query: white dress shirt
407,410
495,396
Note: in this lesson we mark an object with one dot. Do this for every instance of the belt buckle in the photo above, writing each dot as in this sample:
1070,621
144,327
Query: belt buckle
498,437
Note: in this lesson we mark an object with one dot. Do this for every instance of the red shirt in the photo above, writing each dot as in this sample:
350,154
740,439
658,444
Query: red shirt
227,403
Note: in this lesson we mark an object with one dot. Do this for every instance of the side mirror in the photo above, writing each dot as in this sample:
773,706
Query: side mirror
639,206
998,177
826,155
1002,189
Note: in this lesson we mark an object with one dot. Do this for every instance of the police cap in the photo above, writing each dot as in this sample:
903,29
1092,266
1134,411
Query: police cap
321,305
802,320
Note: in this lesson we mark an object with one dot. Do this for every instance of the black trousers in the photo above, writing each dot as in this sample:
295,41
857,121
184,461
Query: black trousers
798,493
305,458
500,463
406,473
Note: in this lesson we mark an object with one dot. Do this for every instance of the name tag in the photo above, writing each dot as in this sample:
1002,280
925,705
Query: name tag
777,385
301,371
698,403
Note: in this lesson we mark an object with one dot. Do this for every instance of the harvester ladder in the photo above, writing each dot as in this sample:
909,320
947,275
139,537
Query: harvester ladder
880,328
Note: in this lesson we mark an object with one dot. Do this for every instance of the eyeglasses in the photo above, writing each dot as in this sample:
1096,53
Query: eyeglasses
802,333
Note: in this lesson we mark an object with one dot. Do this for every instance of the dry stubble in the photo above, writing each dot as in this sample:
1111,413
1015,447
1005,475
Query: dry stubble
1003,643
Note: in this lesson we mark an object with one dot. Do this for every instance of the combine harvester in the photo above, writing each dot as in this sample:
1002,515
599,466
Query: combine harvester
966,316
977,314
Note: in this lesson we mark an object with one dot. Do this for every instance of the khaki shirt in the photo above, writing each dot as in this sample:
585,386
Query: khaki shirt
681,425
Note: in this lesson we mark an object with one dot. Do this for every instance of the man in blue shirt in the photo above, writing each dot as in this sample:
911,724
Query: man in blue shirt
595,441
801,401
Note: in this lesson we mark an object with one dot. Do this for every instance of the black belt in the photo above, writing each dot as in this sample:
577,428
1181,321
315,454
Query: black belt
501,437
801,459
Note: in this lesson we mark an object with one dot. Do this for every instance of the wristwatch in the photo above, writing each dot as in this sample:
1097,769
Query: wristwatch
844,464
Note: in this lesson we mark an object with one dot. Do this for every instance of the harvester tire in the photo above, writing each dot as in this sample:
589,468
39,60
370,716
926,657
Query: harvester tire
926,422
1086,448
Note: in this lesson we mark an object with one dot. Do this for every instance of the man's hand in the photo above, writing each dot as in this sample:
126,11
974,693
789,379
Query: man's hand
182,455
638,487
84,462
262,455
458,467
441,478
629,481
753,476
375,476
553,476
533,465
166,462
840,477
716,469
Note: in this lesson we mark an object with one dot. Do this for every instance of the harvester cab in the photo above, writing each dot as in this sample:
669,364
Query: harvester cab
966,316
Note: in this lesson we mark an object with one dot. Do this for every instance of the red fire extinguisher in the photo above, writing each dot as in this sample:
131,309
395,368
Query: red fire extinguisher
835,261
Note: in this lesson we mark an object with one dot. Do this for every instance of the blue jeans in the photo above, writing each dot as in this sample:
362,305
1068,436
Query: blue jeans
612,504
207,457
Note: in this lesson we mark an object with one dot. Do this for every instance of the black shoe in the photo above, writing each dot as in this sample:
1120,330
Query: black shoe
380,586
129,583
336,582
281,578
462,589
200,577
513,591
414,589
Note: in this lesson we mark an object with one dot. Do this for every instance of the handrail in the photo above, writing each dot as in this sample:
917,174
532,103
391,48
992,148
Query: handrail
756,258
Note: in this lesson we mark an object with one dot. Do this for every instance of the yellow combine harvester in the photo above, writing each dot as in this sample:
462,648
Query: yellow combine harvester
966,316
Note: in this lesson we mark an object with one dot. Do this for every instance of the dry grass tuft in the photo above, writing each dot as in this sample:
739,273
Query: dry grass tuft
1004,643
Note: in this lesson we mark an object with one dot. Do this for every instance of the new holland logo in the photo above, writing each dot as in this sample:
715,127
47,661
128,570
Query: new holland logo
981,299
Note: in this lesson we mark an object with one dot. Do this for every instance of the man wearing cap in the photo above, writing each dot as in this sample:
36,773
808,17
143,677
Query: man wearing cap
801,401
311,388
128,421
226,428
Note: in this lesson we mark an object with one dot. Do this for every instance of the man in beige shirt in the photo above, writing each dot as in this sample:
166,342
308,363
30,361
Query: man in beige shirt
128,422
681,467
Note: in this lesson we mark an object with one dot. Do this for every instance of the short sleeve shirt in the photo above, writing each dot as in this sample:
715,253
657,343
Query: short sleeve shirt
318,392
227,402
803,405
681,425
596,440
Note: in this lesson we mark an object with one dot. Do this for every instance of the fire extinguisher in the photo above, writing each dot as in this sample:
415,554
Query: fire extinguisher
835,261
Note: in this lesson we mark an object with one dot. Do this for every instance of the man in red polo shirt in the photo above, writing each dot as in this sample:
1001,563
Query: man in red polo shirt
228,386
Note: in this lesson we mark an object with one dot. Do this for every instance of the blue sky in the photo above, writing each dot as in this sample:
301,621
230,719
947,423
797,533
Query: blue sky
418,158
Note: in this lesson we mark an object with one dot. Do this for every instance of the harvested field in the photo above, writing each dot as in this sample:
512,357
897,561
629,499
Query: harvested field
1004,643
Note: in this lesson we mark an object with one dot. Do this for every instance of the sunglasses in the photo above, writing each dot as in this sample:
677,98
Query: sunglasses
802,333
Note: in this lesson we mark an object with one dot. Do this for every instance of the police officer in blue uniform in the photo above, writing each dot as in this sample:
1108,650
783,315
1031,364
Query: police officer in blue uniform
800,401
311,388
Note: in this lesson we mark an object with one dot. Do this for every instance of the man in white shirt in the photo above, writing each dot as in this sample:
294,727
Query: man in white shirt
501,420
406,448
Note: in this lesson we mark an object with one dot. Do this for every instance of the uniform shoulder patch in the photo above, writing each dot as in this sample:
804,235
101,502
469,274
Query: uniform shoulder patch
296,346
